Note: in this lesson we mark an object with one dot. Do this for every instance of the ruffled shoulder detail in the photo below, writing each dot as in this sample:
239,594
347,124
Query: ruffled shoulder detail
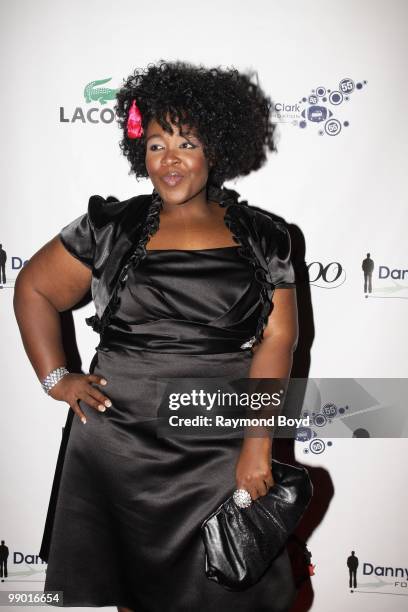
91,238
149,227
82,236
265,243
103,211
240,218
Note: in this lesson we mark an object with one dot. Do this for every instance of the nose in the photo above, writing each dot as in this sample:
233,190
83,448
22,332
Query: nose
170,157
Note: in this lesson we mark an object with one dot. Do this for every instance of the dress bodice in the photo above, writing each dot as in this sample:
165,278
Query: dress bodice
111,240
188,301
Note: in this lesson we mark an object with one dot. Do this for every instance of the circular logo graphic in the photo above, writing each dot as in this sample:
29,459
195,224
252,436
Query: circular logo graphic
346,86
329,410
319,420
336,97
361,433
332,127
317,446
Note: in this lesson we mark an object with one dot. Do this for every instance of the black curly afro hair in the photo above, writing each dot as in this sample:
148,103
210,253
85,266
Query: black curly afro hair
229,113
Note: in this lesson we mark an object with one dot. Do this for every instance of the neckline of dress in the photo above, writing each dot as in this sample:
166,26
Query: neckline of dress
235,246
224,197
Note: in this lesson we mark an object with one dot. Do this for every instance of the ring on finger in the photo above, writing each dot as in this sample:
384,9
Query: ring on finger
242,498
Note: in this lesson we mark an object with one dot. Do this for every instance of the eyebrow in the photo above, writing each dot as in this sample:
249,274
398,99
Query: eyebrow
153,136
189,134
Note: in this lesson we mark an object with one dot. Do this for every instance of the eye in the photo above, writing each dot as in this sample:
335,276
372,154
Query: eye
185,145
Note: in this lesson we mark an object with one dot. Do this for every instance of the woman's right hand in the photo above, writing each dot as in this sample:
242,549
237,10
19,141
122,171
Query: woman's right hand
73,387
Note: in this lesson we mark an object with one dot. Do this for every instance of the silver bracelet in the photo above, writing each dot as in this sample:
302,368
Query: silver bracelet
53,377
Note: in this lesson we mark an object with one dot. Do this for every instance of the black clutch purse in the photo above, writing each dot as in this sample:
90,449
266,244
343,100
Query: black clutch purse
240,543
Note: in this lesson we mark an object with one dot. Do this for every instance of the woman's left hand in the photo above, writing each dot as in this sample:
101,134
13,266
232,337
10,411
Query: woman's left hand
253,470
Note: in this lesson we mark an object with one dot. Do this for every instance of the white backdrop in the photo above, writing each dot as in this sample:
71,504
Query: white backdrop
345,193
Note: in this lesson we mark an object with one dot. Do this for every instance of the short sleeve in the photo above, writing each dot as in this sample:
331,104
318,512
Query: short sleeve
280,264
78,238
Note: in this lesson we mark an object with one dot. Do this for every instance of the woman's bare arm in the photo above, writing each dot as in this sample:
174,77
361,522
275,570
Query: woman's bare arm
273,358
51,282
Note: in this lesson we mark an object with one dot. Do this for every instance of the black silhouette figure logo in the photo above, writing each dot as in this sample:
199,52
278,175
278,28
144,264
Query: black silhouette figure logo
4,553
368,267
352,564
3,259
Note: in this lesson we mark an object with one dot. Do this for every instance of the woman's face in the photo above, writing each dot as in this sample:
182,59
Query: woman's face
176,164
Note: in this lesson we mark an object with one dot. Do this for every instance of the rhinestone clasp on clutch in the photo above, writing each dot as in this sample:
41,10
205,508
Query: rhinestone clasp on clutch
249,343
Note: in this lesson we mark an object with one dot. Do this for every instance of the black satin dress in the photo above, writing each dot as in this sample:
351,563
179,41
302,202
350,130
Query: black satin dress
130,504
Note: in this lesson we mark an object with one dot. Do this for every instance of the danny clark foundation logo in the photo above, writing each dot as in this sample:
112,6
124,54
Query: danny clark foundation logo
324,109
17,566
383,280
9,267
372,576
94,110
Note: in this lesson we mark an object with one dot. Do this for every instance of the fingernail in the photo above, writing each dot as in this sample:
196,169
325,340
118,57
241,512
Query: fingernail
104,381
101,408
83,419
108,403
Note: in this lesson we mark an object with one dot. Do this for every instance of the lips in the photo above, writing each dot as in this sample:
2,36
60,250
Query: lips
172,179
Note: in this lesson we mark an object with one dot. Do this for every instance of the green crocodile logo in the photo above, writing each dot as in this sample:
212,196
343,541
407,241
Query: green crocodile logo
93,93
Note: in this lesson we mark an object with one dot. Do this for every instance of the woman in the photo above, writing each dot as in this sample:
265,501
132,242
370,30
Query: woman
188,282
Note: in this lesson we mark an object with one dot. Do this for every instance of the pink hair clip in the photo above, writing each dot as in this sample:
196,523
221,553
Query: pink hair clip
134,122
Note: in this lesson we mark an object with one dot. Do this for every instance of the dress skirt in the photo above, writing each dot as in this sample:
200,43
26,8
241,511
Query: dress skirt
130,504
